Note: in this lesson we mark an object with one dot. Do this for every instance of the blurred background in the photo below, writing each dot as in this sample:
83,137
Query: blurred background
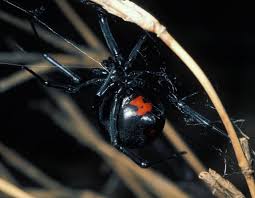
219,37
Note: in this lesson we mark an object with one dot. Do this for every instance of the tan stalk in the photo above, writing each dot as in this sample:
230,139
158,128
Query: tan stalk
180,145
13,191
219,185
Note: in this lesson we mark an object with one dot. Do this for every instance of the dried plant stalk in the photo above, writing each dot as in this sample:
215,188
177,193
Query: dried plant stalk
42,193
24,166
180,145
219,185
246,149
13,191
6,175
45,35
131,181
81,27
129,11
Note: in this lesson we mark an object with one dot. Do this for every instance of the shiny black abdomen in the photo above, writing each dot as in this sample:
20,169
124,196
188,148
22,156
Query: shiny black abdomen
140,121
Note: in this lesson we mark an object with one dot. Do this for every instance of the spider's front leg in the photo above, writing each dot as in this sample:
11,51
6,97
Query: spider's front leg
183,107
65,87
111,43
76,85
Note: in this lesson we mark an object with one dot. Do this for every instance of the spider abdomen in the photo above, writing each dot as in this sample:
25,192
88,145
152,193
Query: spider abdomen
140,121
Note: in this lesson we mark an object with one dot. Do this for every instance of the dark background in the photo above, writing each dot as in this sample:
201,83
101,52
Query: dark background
219,37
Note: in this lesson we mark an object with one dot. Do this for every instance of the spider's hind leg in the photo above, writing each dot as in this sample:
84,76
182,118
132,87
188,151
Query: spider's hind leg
111,43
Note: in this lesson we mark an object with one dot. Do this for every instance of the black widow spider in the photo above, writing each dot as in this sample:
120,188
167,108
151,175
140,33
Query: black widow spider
131,109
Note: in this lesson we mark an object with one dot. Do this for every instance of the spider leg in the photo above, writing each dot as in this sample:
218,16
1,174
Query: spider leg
107,83
75,78
197,117
134,52
67,88
185,109
111,43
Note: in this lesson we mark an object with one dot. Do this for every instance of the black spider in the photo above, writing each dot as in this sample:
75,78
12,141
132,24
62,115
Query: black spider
132,109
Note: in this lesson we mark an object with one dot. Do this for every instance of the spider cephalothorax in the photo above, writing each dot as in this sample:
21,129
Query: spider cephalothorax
131,108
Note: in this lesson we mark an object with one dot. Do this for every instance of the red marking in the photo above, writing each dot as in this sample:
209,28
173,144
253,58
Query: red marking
142,107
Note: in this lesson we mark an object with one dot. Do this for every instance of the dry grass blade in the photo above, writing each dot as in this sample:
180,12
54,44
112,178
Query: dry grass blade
42,193
13,191
83,132
129,11
219,185
80,26
131,181
45,35
25,167
5,174
180,145
246,149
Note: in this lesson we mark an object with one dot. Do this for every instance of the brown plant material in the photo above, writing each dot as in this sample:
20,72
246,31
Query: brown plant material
42,193
81,27
180,146
129,11
219,185
45,35
131,181
246,149
27,168
6,174
12,191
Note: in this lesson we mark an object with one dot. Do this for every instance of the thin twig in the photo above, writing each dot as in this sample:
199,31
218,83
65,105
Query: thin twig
131,12
12,191
246,149
180,145
45,35
25,167
42,193
5,174
219,185
80,26
131,181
